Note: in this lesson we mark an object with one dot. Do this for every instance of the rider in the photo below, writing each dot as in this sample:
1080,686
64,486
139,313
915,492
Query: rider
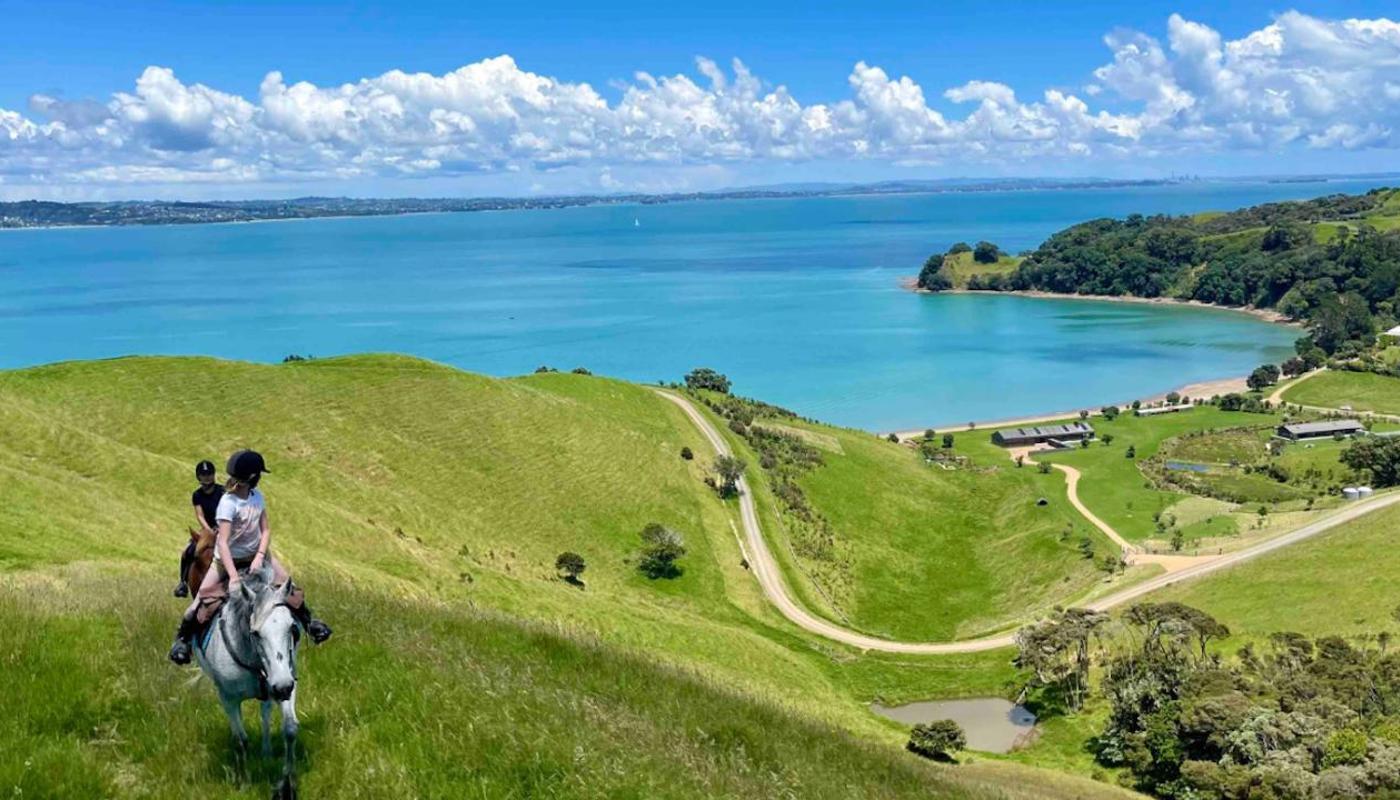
205,501
242,544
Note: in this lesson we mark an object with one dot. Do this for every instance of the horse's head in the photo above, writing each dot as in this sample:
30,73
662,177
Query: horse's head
274,633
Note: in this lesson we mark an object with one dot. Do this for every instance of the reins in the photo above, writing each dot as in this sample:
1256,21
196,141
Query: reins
256,669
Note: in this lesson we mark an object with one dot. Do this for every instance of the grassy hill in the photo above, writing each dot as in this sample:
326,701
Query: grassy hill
924,551
961,268
1363,391
423,508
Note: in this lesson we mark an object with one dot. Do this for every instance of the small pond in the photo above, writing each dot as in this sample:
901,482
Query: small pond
992,724
1186,465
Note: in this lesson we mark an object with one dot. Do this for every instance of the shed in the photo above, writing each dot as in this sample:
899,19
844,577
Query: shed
1020,437
1297,431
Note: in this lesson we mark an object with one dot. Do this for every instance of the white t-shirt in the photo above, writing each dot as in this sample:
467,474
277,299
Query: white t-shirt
245,520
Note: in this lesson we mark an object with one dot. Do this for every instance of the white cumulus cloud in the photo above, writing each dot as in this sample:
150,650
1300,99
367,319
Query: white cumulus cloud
1299,82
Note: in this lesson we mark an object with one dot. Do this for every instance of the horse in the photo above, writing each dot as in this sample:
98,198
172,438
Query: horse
250,653
203,558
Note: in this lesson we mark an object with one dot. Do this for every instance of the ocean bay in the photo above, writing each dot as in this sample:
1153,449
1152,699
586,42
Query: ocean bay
798,300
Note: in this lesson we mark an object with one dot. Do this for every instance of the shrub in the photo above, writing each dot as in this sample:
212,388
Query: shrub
570,565
661,548
947,440
959,247
687,454
730,470
581,371
937,740
706,378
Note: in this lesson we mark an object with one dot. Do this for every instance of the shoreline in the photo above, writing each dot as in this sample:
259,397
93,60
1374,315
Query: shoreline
1202,389
1265,314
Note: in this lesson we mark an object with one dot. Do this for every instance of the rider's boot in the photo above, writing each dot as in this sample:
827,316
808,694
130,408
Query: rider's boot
180,650
182,589
319,630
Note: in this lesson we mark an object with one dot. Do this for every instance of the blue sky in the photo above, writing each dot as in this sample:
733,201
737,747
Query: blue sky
75,57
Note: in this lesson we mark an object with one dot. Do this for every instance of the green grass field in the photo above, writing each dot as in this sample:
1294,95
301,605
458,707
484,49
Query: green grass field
960,267
929,548
1342,583
406,494
1363,391
1115,489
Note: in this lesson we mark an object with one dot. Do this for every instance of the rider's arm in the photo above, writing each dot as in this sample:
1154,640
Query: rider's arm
263,542
225,555
199,518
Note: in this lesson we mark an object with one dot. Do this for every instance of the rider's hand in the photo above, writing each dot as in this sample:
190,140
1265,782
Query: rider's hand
234,581
256,565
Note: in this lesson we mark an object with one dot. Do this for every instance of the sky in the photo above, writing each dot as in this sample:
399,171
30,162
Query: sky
124,100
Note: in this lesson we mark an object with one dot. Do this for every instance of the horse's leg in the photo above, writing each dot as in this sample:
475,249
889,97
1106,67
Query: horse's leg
267,728
233,707
287,790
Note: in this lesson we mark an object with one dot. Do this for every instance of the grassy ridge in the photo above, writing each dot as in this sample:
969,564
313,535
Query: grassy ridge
414,700
421,492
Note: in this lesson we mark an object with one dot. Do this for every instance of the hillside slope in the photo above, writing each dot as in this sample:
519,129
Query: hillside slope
404,495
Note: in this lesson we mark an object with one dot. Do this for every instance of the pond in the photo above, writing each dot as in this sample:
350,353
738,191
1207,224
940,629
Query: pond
992,724
1187,466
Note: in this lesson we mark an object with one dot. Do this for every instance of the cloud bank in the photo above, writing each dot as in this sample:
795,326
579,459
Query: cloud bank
1299,83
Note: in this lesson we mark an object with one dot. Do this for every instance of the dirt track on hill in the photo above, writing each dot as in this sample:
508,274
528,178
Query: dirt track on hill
770,578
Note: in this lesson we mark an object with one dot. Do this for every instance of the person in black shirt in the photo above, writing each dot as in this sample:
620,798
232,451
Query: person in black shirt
205,501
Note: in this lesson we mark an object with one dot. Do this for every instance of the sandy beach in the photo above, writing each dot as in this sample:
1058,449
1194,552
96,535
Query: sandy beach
1266,314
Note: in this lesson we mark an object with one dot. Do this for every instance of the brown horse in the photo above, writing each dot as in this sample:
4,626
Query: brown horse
203,557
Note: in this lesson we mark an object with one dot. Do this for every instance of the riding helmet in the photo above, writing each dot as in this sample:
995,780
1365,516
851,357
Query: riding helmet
246,465
205,467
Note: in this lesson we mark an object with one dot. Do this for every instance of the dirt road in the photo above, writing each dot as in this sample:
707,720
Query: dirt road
770,578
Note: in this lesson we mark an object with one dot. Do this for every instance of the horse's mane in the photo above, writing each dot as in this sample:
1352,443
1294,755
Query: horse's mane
239,606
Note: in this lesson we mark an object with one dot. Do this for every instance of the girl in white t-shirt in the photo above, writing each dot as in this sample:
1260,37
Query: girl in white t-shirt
244,535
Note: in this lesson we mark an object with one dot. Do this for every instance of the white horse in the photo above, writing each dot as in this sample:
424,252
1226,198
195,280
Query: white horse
251,653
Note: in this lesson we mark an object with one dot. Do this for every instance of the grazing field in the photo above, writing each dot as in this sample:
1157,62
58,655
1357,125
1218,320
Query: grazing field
1340,583
417,699
960,267
935,554
1363,391
1113,486
423,507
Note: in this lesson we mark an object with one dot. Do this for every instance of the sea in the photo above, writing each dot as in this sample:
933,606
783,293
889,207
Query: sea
799,301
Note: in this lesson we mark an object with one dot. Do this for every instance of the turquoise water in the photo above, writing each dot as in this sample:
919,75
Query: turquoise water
797,300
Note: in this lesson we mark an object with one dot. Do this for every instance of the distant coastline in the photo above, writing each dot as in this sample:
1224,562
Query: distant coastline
39,214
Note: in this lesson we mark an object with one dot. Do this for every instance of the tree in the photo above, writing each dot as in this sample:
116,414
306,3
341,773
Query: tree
959,247
986,253
1294,366
1107,439
687,454
1378,455
1083,414
729,469
1232,401
1262,376
1110,413
1132,452
1173,398
706,378
661,548
581,371
947,440
570,565
937,740
933,277
1340,319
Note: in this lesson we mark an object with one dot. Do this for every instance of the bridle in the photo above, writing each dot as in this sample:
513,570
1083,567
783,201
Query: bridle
256,640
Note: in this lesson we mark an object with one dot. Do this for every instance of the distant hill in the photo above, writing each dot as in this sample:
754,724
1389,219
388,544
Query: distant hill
1333,262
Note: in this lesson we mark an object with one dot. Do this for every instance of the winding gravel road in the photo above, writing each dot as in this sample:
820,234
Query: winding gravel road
770,578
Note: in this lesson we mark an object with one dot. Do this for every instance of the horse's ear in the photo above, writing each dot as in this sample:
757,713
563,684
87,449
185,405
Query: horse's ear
246,593
285,591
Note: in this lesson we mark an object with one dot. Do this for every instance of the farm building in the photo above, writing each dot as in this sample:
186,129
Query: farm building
1155,410
1391,336
1056,435
1319,430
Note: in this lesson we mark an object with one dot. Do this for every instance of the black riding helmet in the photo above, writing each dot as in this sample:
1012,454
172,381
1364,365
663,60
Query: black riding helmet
205,467
247,466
